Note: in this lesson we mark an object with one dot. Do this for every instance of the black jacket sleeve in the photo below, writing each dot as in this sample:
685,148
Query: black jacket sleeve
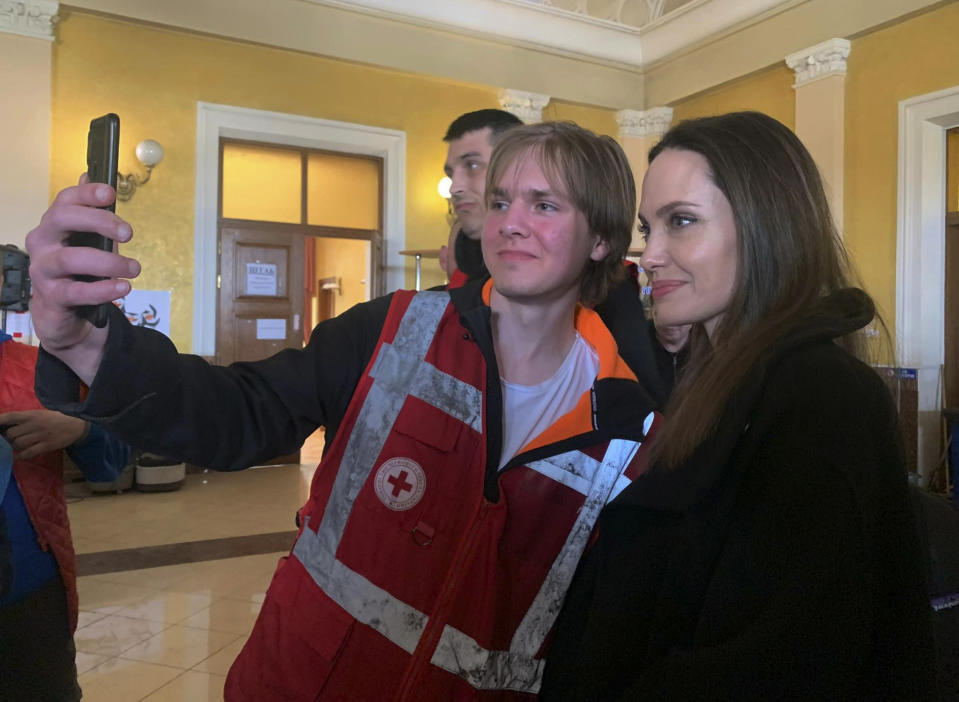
219,417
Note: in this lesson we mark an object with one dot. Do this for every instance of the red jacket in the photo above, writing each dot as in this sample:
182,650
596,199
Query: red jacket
405,582
40,479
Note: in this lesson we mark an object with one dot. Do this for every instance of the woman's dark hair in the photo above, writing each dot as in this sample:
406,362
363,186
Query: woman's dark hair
790,257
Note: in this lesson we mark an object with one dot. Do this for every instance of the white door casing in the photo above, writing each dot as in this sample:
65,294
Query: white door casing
920,256
216,121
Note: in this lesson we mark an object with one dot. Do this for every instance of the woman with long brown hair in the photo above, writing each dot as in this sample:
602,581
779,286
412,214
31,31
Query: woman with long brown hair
769,552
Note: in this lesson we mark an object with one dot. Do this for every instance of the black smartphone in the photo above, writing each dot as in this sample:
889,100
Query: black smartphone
103,151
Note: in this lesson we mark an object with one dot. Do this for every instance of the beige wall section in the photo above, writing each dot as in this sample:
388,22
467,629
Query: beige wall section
820,123
156,97
25,126
336,32
768,91
765,41
599,120
914,57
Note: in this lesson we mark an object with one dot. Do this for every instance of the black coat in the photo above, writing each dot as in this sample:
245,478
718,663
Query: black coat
779,562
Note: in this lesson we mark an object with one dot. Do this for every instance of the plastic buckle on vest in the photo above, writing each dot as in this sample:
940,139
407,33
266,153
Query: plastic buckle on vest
422,534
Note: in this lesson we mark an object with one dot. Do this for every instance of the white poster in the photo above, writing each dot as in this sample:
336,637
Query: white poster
147,308
20,327
271,329
261,279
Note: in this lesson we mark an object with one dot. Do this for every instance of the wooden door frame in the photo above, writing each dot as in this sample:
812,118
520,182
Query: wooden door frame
216,121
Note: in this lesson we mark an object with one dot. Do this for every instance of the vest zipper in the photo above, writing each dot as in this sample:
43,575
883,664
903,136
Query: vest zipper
423,653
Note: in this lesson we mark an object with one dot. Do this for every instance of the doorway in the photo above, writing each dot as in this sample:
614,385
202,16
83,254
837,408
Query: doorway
298,228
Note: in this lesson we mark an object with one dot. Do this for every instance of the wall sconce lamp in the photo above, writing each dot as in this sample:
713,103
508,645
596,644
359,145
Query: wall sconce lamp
443,187
149,153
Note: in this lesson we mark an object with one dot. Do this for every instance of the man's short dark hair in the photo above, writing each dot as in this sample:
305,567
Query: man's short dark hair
498,121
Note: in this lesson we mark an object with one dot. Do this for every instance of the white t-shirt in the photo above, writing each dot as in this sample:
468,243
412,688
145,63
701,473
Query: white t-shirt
528,410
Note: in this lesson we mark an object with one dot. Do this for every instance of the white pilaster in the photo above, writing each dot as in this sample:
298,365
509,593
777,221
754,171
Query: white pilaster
640,124
26,55
819,61
34,18
639,130
527,106
821,112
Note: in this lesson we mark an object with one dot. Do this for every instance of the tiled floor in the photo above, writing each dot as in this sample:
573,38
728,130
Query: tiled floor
172,632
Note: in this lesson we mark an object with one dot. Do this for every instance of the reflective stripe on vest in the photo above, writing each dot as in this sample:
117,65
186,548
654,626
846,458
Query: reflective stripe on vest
399,371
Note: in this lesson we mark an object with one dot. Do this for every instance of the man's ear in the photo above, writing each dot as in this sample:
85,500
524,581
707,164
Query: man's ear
600,249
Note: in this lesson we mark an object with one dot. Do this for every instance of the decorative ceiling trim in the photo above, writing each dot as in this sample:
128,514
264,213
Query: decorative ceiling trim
537,23
820,61
527,106
531,24
35,18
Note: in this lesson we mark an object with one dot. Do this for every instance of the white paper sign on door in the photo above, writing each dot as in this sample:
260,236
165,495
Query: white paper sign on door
271,329
261,279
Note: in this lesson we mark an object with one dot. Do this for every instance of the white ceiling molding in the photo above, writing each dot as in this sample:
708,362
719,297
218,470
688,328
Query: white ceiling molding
643,123
542,24
527,106
531,24
819,61
697,21
30,19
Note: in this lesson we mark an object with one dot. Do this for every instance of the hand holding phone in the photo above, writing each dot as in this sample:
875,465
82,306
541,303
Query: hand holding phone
103,150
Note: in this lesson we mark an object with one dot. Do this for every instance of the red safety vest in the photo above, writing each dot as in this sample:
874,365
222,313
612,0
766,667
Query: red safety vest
405,582
40,479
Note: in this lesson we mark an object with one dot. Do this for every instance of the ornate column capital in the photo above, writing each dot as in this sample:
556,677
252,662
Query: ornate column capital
527,106
819,61
32,18
643,123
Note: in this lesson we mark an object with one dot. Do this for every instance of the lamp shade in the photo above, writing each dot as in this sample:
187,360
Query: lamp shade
149,152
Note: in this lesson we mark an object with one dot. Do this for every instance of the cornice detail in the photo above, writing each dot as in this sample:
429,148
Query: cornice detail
35,18
527,106
643,123
819,61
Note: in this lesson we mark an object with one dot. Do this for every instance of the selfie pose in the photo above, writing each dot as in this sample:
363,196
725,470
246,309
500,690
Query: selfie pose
769,553
473,435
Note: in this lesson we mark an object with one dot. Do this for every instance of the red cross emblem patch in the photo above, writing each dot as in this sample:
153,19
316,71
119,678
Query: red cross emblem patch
400,483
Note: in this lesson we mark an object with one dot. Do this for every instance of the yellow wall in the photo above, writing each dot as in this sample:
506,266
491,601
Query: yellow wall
914,57
768,91
153,79
25,126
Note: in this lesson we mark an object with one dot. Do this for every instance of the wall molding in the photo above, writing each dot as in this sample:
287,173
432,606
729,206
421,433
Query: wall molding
825,59
527,106
920,255
32,18
215,121
643,123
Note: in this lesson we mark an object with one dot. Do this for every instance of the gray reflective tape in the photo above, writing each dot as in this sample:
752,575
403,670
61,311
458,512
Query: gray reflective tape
364,601
574,469
486,670
396,365
539,619
622,482
452,395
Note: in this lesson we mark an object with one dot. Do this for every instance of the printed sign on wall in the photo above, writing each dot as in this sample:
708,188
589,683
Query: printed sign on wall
147,308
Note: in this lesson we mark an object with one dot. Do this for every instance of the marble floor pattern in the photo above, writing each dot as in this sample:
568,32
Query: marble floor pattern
171,632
